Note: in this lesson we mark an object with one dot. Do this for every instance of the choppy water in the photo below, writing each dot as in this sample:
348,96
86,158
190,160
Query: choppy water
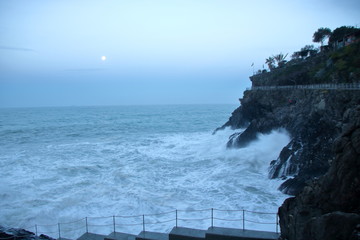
63,164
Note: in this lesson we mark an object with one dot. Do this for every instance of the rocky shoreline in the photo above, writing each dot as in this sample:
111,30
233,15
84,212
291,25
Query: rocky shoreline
329,208
314,120
18,234
321,163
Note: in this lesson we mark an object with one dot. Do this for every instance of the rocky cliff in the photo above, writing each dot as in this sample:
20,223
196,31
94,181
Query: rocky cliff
321,163
20,234
329,208
313,117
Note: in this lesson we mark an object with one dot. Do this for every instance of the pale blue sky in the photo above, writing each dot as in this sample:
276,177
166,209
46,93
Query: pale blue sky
158,52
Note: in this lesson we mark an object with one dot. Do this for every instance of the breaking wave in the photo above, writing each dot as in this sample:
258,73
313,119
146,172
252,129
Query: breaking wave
68,174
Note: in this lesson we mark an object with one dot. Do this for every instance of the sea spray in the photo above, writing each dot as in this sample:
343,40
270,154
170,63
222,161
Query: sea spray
65,165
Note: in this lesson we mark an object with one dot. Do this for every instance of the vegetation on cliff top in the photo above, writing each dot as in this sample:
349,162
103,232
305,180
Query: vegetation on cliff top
339,57
335,63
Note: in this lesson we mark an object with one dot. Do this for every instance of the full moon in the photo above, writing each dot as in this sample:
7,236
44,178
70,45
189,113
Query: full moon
103,58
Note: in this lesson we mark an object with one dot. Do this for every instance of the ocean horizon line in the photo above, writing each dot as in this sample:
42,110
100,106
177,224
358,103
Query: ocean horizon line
117,105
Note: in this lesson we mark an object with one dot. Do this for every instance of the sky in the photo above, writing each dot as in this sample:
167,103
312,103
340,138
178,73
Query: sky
157,51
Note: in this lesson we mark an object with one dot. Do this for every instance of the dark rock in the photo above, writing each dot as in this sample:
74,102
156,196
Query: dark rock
322,161
20,234
45,237
292,186
329,208
15,233
356,233
314,121
313,117
287,163
327,226
237,120
4,235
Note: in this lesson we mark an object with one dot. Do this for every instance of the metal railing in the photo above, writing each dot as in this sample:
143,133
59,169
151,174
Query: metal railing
339,86
116,222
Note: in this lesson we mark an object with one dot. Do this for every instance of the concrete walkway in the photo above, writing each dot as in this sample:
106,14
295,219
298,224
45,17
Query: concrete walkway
181,233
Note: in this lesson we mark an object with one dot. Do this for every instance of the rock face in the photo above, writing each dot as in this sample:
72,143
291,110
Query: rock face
329,208
313,117
321,163
18,233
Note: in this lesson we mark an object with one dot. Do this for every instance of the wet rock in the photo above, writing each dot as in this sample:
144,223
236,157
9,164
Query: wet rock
287,164
20,234
13,233
327,226
314,119
291,186
329,208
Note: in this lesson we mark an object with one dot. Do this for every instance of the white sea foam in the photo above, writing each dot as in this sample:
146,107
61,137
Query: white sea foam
150,173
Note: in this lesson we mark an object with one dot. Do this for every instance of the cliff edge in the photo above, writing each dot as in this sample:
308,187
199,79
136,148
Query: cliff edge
313,117
314,112
318,102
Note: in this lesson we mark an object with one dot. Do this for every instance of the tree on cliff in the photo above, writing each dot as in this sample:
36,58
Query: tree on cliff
308,50
340,33
270,61
321,34
280,59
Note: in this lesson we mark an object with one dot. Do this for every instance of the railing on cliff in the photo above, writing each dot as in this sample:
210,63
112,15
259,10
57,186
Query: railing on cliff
339,86
213,217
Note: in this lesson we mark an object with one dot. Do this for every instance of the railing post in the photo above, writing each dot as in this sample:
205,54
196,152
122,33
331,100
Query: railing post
176,217
114,223
36,233
86,225
212,217
59,230
144,223
243,219
277,222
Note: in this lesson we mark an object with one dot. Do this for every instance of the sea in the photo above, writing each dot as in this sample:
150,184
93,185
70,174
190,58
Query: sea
68,170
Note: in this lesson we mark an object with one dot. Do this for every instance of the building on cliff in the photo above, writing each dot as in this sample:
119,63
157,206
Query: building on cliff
347,40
